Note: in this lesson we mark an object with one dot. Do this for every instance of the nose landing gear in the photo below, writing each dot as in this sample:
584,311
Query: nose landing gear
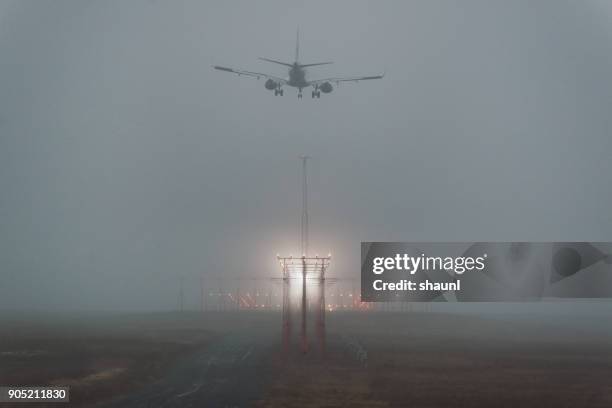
315,92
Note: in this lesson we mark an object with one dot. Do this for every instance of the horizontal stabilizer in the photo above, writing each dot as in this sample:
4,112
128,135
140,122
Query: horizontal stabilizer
316,63
371,77
276,62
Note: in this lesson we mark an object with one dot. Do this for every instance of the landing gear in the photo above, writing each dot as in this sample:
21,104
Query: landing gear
278,92
300,94
316,94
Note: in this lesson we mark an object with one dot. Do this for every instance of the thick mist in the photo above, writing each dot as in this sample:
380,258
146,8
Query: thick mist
126,161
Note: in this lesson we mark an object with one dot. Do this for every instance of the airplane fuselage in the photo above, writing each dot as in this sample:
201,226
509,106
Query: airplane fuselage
297,76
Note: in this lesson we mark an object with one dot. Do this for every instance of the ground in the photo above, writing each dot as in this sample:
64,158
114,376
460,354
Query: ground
372,359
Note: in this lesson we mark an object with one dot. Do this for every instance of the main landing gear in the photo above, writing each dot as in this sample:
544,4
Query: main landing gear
316,94
278,92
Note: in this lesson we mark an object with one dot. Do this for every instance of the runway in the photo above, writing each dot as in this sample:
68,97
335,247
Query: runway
231,372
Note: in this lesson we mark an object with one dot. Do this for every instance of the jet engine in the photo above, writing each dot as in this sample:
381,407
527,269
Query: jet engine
270,84
326,87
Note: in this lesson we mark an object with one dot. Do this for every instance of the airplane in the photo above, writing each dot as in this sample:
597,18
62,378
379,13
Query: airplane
297,76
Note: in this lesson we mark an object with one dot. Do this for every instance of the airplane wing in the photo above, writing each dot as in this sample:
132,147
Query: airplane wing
251,74
344,79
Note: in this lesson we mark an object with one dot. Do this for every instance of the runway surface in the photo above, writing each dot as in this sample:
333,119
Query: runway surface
232,372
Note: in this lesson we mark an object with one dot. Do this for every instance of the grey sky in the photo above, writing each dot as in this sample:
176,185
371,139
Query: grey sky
125,160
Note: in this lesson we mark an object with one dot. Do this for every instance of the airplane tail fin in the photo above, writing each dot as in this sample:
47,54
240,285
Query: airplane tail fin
297,45
297,56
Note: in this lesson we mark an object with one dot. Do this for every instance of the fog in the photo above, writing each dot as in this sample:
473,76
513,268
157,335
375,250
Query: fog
126,161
